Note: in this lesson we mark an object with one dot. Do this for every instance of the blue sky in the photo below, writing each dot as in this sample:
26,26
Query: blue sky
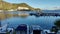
43,4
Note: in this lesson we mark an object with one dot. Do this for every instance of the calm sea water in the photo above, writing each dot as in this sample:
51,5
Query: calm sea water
46,22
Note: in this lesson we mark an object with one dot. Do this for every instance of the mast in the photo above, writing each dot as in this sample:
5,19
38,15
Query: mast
0,22
1,5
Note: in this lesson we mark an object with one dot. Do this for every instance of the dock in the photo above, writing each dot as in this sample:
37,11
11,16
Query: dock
45,14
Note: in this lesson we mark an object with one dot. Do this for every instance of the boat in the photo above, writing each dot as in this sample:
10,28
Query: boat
4,29
36,29
22,29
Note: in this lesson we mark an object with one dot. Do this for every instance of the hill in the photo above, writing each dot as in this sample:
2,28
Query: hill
8,6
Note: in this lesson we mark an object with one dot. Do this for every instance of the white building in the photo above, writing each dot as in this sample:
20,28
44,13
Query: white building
11,10
21,8
1,10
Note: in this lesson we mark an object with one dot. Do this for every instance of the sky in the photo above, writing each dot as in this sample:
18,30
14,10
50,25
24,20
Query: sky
43,4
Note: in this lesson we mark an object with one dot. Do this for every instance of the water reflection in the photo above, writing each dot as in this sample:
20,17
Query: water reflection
4,16
16,18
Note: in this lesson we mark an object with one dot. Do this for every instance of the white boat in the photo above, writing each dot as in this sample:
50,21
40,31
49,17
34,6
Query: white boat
3,29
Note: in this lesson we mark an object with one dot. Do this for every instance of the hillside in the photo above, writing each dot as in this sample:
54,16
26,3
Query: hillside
7,6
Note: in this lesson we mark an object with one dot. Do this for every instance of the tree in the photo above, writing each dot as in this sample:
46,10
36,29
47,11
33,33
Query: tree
54,29
57,23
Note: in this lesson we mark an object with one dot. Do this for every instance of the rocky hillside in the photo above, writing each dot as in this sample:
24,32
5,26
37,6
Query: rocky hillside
7,6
